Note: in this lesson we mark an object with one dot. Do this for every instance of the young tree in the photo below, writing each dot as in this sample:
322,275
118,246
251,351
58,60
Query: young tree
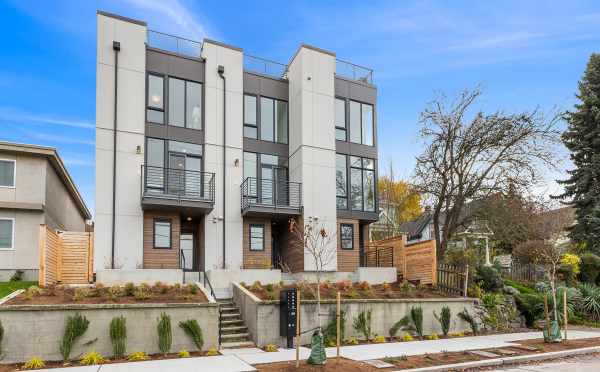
466,160
582,138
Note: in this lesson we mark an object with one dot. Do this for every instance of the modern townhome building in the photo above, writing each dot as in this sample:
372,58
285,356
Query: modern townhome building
216,150
35,189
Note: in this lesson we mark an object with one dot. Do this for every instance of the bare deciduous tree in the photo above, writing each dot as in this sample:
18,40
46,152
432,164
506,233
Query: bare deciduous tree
469,159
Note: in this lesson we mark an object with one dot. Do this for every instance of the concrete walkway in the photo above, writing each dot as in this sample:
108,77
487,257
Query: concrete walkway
587,363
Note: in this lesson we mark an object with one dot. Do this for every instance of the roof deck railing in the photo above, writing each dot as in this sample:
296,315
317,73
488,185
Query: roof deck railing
265,66
174,44
353,71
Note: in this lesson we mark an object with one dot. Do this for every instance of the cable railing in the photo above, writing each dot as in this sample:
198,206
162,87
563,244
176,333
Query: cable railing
265,66
271,193
175,44
178,184
353,72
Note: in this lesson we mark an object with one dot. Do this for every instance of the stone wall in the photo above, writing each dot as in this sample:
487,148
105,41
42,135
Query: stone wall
32,330
262,317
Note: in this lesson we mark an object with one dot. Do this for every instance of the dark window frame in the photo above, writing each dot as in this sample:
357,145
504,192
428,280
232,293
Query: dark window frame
360,114
256,114
259,118
346,112
262,227
342,238
166,87
168,220
164,97
346,197
363,170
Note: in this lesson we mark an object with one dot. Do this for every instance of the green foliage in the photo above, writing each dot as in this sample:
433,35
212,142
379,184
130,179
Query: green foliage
590,268
118,336
531,306
519,286
566,273
464,315
75,328
444,319
574,299
165,337
581,138
498,312
490,278
330,331
138,356
269,287
142,292
34,363
362,324
92,358
129,289
17,276
397,326
183,354
412,321
590,301
193,330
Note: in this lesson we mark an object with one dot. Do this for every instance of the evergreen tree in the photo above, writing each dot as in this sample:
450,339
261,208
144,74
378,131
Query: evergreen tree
582,138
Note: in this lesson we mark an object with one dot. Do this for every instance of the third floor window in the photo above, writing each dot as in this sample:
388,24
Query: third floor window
184,102
265,119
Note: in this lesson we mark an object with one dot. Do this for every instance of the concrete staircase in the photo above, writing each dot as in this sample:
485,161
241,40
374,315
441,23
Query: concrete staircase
232,329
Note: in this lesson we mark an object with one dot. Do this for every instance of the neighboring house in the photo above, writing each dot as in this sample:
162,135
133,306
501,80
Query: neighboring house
419,229
300,140
35,188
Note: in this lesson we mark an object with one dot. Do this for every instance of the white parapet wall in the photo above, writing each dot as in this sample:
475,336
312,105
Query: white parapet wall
376,275
139,276
222,280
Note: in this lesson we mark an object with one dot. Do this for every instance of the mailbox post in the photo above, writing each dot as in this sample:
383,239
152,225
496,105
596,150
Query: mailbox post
287,316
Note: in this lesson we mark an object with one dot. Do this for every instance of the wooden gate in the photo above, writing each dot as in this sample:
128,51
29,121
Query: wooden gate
66,257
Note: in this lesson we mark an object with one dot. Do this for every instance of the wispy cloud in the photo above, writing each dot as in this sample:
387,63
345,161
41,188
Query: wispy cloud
15,115
59,139
172,12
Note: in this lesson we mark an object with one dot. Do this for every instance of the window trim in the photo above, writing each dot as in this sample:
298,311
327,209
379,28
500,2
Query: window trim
164,98
166,87
256,114
342,239
12,242
160,219
362,170
262,227
346,197
360,113
258,125
14,185
345,127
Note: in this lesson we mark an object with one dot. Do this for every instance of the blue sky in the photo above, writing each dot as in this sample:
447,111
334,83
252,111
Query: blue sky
523,55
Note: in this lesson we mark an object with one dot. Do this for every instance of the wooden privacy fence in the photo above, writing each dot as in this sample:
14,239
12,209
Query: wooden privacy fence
453,279
524,272
414,262
378,256
65,257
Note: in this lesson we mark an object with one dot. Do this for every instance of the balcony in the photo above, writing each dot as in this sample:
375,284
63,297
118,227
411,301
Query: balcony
181,190
272,198
174,44
352,71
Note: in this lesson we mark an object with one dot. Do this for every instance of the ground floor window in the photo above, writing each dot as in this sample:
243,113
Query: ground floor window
7,227
347,236
257,237
162,233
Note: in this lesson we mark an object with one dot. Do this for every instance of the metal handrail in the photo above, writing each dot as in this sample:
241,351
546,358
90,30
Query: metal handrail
182,263
270,193
353,71
206,280
265,66
172,43
178,184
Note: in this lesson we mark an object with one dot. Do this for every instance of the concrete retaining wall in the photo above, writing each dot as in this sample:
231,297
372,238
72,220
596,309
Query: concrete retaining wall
32,330
262,317
377,275
149,276
221,280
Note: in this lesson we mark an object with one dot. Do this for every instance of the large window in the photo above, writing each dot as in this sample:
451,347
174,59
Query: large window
341,181
7,173
340,119
155,112
347,236
257,237
185,103
269,122
362,184
7,226
162,234
361,123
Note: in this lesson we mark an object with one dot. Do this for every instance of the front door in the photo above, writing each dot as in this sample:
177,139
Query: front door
186,244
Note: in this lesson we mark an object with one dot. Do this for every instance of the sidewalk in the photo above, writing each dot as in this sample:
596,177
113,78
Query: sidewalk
239,360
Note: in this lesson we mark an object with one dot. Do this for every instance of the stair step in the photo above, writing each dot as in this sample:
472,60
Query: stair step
233,328
235,335
228,309
229,322
231,315
232,345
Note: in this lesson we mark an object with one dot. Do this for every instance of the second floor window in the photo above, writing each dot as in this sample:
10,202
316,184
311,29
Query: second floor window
155,112
341,181
7,173
185,103
361,123
362,184
265,119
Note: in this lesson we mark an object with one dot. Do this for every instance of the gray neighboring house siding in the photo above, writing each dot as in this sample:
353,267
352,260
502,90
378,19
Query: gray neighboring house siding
43,193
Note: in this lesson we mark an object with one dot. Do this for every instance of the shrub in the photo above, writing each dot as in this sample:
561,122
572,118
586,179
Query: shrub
574,299
406,289
590,301
75,328
412,321
542,287
129,289
566,273
256,286
407,337
386,286
183,354
138,356
269,287
165,337
353,293
142,292
519,286
352,340
193,330
80,293
17,276
379,339
531,306
344,285
362,324
365,286
212,352
115,292
590,268
573,260
193,288
433,336
118,336
270,348
489,278
464,315
444,319
34,363
330,331
457,334
474,291
91,358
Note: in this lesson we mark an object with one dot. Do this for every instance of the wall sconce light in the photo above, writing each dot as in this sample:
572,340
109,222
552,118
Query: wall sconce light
236,163
138,149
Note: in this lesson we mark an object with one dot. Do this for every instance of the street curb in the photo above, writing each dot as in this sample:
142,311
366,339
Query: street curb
505,361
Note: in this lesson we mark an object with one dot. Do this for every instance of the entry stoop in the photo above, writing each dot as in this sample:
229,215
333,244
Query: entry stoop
233,332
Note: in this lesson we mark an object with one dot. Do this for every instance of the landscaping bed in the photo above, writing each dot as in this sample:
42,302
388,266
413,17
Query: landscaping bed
348,290
99,294
7,288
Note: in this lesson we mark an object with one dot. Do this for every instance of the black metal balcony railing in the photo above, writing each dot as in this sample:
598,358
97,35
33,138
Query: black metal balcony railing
264,192
159,182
